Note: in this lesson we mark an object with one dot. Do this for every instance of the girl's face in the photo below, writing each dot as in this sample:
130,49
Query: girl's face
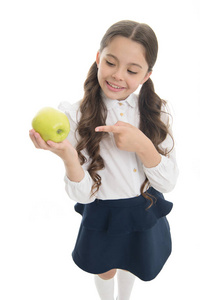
122,67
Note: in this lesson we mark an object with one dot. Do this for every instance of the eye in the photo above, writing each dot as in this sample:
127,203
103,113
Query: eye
109,63
131,72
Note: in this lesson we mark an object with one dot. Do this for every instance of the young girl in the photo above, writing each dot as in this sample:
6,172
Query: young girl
119,159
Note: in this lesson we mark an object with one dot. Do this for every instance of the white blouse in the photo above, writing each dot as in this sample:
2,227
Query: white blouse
124,173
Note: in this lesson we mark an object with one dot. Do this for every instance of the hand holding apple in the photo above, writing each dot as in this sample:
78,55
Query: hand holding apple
51,124
63,149
51,127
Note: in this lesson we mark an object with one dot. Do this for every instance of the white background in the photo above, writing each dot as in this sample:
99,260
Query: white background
46,49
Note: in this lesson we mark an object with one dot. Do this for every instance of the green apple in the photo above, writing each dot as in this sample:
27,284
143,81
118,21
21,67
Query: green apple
51,124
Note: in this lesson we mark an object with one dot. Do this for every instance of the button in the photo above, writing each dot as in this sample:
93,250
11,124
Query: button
121,114
134,170
120,103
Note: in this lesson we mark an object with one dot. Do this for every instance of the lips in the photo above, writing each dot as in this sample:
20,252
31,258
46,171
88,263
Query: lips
114,87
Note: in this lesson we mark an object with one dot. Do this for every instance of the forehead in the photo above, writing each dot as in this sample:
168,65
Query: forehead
126,50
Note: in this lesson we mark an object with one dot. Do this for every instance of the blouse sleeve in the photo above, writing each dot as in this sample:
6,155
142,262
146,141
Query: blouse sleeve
164,176
80,191
77,191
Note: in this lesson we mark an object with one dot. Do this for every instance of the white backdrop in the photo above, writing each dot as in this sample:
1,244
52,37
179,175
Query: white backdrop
46,49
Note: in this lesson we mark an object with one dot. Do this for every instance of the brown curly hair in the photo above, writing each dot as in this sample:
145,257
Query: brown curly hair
94,112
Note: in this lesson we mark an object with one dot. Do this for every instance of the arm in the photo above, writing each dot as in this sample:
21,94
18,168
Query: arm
130,138
161,171
78,182
65,151
147,153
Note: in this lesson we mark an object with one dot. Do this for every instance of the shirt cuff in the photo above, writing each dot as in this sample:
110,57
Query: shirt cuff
163,177
80,191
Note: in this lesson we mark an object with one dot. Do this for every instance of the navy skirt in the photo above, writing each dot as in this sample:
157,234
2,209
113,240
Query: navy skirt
124,234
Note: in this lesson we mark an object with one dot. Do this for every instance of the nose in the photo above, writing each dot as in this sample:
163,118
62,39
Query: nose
118,75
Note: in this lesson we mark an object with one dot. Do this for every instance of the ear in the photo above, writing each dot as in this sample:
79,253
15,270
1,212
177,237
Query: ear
146,77
98,59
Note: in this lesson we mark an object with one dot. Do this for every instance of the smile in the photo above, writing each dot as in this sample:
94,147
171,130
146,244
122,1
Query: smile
114,86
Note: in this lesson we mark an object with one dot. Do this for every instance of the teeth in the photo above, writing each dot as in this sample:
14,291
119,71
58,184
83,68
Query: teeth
114,86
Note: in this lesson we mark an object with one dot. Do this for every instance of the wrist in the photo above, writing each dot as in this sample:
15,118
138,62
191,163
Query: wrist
71,161
148,154
74,170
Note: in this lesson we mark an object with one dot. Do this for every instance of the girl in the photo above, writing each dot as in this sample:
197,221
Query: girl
119,159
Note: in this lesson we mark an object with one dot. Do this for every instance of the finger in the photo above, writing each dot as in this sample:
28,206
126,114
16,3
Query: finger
40,142
32,137
111,128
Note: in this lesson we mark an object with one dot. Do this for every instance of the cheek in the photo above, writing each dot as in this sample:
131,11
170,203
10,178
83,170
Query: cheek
133,83
102,70
102,74
136,81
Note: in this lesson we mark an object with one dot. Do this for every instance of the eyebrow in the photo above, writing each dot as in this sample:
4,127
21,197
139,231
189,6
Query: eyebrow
132,64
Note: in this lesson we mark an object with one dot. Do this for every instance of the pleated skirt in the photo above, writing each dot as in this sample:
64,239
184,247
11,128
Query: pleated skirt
124,234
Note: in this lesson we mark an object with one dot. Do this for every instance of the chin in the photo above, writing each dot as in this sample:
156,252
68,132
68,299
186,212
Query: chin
114,96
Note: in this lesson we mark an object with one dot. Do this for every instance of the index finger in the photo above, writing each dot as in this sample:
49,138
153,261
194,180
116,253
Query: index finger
111,128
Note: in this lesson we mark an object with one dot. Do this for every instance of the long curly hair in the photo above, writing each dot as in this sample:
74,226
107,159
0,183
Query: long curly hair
94,112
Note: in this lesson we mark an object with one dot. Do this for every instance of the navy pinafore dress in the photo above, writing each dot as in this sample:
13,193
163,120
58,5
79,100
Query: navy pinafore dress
124,234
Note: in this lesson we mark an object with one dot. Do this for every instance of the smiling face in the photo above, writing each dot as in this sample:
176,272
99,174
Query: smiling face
122,67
